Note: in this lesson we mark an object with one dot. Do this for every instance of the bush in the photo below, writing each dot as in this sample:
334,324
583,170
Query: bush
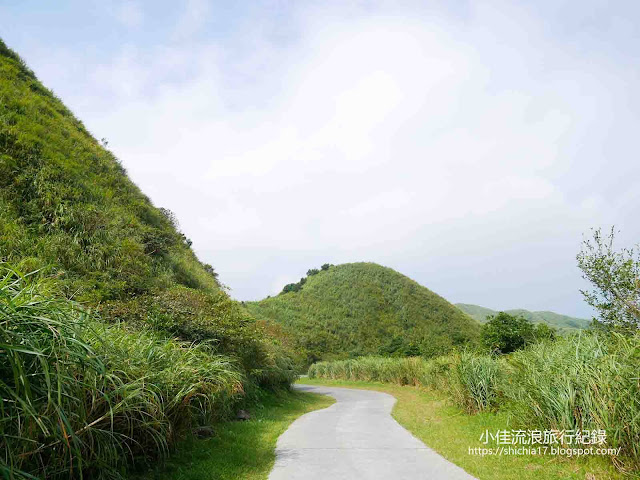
505,333
209,319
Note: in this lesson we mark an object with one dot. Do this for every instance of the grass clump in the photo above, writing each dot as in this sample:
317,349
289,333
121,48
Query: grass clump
82,399
586,382
475,381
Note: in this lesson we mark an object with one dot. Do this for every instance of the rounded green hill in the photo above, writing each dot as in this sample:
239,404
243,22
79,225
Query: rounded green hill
364,309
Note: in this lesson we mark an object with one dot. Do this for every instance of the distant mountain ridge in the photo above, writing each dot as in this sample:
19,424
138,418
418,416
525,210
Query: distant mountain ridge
553,319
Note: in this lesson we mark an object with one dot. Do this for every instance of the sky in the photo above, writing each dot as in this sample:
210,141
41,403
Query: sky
469,145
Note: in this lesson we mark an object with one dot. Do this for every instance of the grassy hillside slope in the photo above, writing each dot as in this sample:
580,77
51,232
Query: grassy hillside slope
67,203
113,333
563,322
363,308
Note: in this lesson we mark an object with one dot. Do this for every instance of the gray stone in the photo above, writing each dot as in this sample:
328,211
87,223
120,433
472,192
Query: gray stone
204,432
243,415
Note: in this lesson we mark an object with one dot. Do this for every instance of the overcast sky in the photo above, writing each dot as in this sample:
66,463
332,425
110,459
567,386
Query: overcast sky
467,144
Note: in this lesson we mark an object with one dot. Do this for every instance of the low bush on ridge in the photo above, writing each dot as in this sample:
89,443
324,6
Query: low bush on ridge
82,399
586,381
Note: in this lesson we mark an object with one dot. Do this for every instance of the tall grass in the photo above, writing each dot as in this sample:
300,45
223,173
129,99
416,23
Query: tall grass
82,400
582,382
585,382
472,380
475,381
403,371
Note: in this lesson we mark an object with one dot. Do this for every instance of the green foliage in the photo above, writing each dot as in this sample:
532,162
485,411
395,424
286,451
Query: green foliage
296,287
504,333
585,382
366,309
542,332
563,323
81,399
475,381
615,276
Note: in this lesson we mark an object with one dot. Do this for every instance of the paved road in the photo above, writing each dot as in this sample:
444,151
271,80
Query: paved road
356,439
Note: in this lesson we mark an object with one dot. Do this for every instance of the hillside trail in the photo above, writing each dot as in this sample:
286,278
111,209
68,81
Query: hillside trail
356,439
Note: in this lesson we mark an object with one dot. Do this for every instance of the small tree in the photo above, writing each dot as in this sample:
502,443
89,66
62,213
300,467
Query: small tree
210,270
505,333
169,215
542,331
294,287
326,266
615,276
289,287
312,271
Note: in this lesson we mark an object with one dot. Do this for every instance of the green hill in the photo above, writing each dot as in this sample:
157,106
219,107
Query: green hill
563,322
68,210
363,309
67,204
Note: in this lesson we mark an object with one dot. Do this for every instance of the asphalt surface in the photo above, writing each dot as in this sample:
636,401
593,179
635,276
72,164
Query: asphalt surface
356,439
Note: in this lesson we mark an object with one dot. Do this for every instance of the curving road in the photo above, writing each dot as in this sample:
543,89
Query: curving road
356,439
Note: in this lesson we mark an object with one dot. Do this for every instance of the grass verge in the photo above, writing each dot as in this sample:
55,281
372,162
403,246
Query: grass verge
450,431
239,449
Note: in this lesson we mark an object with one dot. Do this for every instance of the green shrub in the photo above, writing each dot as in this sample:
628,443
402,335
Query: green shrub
504,333
212,320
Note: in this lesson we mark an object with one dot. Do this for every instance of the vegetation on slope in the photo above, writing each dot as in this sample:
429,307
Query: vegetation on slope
562,322
362,309
84,398
155,345
66,203
68,209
